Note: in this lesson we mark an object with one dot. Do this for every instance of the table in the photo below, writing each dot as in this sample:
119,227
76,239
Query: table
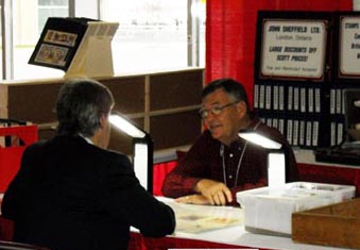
234,236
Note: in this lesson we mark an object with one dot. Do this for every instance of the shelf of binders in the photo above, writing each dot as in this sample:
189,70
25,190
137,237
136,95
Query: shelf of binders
299,110
338,111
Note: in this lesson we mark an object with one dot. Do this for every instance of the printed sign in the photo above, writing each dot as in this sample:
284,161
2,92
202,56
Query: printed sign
293,49
349,59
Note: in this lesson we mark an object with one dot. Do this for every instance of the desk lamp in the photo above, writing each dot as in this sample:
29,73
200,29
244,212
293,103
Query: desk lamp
142,149
276,157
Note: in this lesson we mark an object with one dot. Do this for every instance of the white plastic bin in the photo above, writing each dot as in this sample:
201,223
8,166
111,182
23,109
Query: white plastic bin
269,211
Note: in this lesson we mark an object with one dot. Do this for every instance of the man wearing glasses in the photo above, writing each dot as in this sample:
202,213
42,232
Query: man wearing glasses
220,163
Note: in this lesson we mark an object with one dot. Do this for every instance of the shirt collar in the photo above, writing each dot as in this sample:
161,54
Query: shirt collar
86,139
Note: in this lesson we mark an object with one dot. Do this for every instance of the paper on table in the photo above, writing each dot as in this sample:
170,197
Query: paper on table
202,218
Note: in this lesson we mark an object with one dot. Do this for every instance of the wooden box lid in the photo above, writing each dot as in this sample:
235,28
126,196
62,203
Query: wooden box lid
335,225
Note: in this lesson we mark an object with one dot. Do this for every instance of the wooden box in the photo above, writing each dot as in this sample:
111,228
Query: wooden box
335,225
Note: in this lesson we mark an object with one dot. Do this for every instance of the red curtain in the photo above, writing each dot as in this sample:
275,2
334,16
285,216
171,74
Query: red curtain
231,30
160,171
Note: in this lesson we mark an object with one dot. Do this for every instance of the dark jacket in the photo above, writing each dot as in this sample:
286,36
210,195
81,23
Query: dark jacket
70,194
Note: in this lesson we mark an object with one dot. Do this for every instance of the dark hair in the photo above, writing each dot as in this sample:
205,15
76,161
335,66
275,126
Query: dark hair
232,88
80,105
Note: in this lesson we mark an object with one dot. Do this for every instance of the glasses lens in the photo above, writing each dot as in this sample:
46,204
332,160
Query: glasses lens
216,110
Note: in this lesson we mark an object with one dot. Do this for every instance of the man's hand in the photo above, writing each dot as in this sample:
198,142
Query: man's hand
217,193
193,199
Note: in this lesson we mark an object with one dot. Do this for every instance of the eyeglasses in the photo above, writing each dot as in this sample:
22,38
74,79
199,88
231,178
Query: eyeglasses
215,110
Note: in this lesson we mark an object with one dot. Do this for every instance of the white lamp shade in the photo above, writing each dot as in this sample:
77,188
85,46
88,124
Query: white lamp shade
260,140
124,125
276,166
142,150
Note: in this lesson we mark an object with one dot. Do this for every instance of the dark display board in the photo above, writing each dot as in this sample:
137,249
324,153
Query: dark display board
291,90
305,64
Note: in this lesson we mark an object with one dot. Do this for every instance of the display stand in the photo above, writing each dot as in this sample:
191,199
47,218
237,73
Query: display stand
79,46
94,56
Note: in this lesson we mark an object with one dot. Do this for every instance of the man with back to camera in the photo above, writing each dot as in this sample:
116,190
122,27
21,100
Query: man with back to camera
220,163
71,193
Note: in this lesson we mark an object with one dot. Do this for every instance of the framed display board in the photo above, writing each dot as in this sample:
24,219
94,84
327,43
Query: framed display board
58,42
79,46
292,45
347,46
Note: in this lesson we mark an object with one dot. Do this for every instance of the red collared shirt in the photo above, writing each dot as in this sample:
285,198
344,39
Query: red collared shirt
240,166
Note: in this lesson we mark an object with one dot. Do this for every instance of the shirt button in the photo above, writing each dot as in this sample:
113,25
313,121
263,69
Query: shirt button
231,155
230,176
